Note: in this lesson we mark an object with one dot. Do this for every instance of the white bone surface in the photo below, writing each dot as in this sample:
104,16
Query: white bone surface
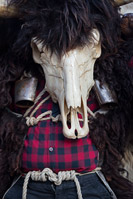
3,3
126,8
69,80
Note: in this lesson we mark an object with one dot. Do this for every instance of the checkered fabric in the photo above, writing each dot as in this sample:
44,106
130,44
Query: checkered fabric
46,146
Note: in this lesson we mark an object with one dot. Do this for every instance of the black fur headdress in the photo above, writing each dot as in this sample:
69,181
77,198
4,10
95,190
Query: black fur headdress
63,25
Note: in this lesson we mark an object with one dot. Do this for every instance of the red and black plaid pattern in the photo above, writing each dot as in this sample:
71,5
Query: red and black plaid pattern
46,146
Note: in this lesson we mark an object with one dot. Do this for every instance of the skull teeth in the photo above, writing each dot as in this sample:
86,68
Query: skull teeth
75,122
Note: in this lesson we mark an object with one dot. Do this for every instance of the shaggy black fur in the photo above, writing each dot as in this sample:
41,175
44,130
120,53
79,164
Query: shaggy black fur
11,65
8,70
12,133
12,128
63,25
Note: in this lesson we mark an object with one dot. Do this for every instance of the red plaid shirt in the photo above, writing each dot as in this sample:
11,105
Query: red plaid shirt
46,146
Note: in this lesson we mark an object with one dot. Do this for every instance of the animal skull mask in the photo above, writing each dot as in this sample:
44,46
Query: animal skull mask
69,80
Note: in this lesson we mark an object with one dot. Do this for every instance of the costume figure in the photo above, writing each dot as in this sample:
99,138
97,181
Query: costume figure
66,137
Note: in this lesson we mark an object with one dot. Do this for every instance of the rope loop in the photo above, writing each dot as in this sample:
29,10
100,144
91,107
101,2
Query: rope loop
48,174
31,121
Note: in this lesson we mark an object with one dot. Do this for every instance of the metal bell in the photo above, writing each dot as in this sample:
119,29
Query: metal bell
105,96
25,92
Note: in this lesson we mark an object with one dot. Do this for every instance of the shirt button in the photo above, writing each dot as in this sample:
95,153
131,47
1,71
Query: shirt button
51,149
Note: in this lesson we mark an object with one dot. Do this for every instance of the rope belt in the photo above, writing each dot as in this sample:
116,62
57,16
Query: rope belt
48,174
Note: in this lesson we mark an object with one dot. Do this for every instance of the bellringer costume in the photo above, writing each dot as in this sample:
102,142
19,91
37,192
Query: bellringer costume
38,157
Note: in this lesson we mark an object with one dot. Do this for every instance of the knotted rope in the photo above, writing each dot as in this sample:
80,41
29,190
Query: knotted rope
48,174
31,121
47,115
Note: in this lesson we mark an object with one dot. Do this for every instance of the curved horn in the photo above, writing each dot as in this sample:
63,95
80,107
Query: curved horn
122,2
7,10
